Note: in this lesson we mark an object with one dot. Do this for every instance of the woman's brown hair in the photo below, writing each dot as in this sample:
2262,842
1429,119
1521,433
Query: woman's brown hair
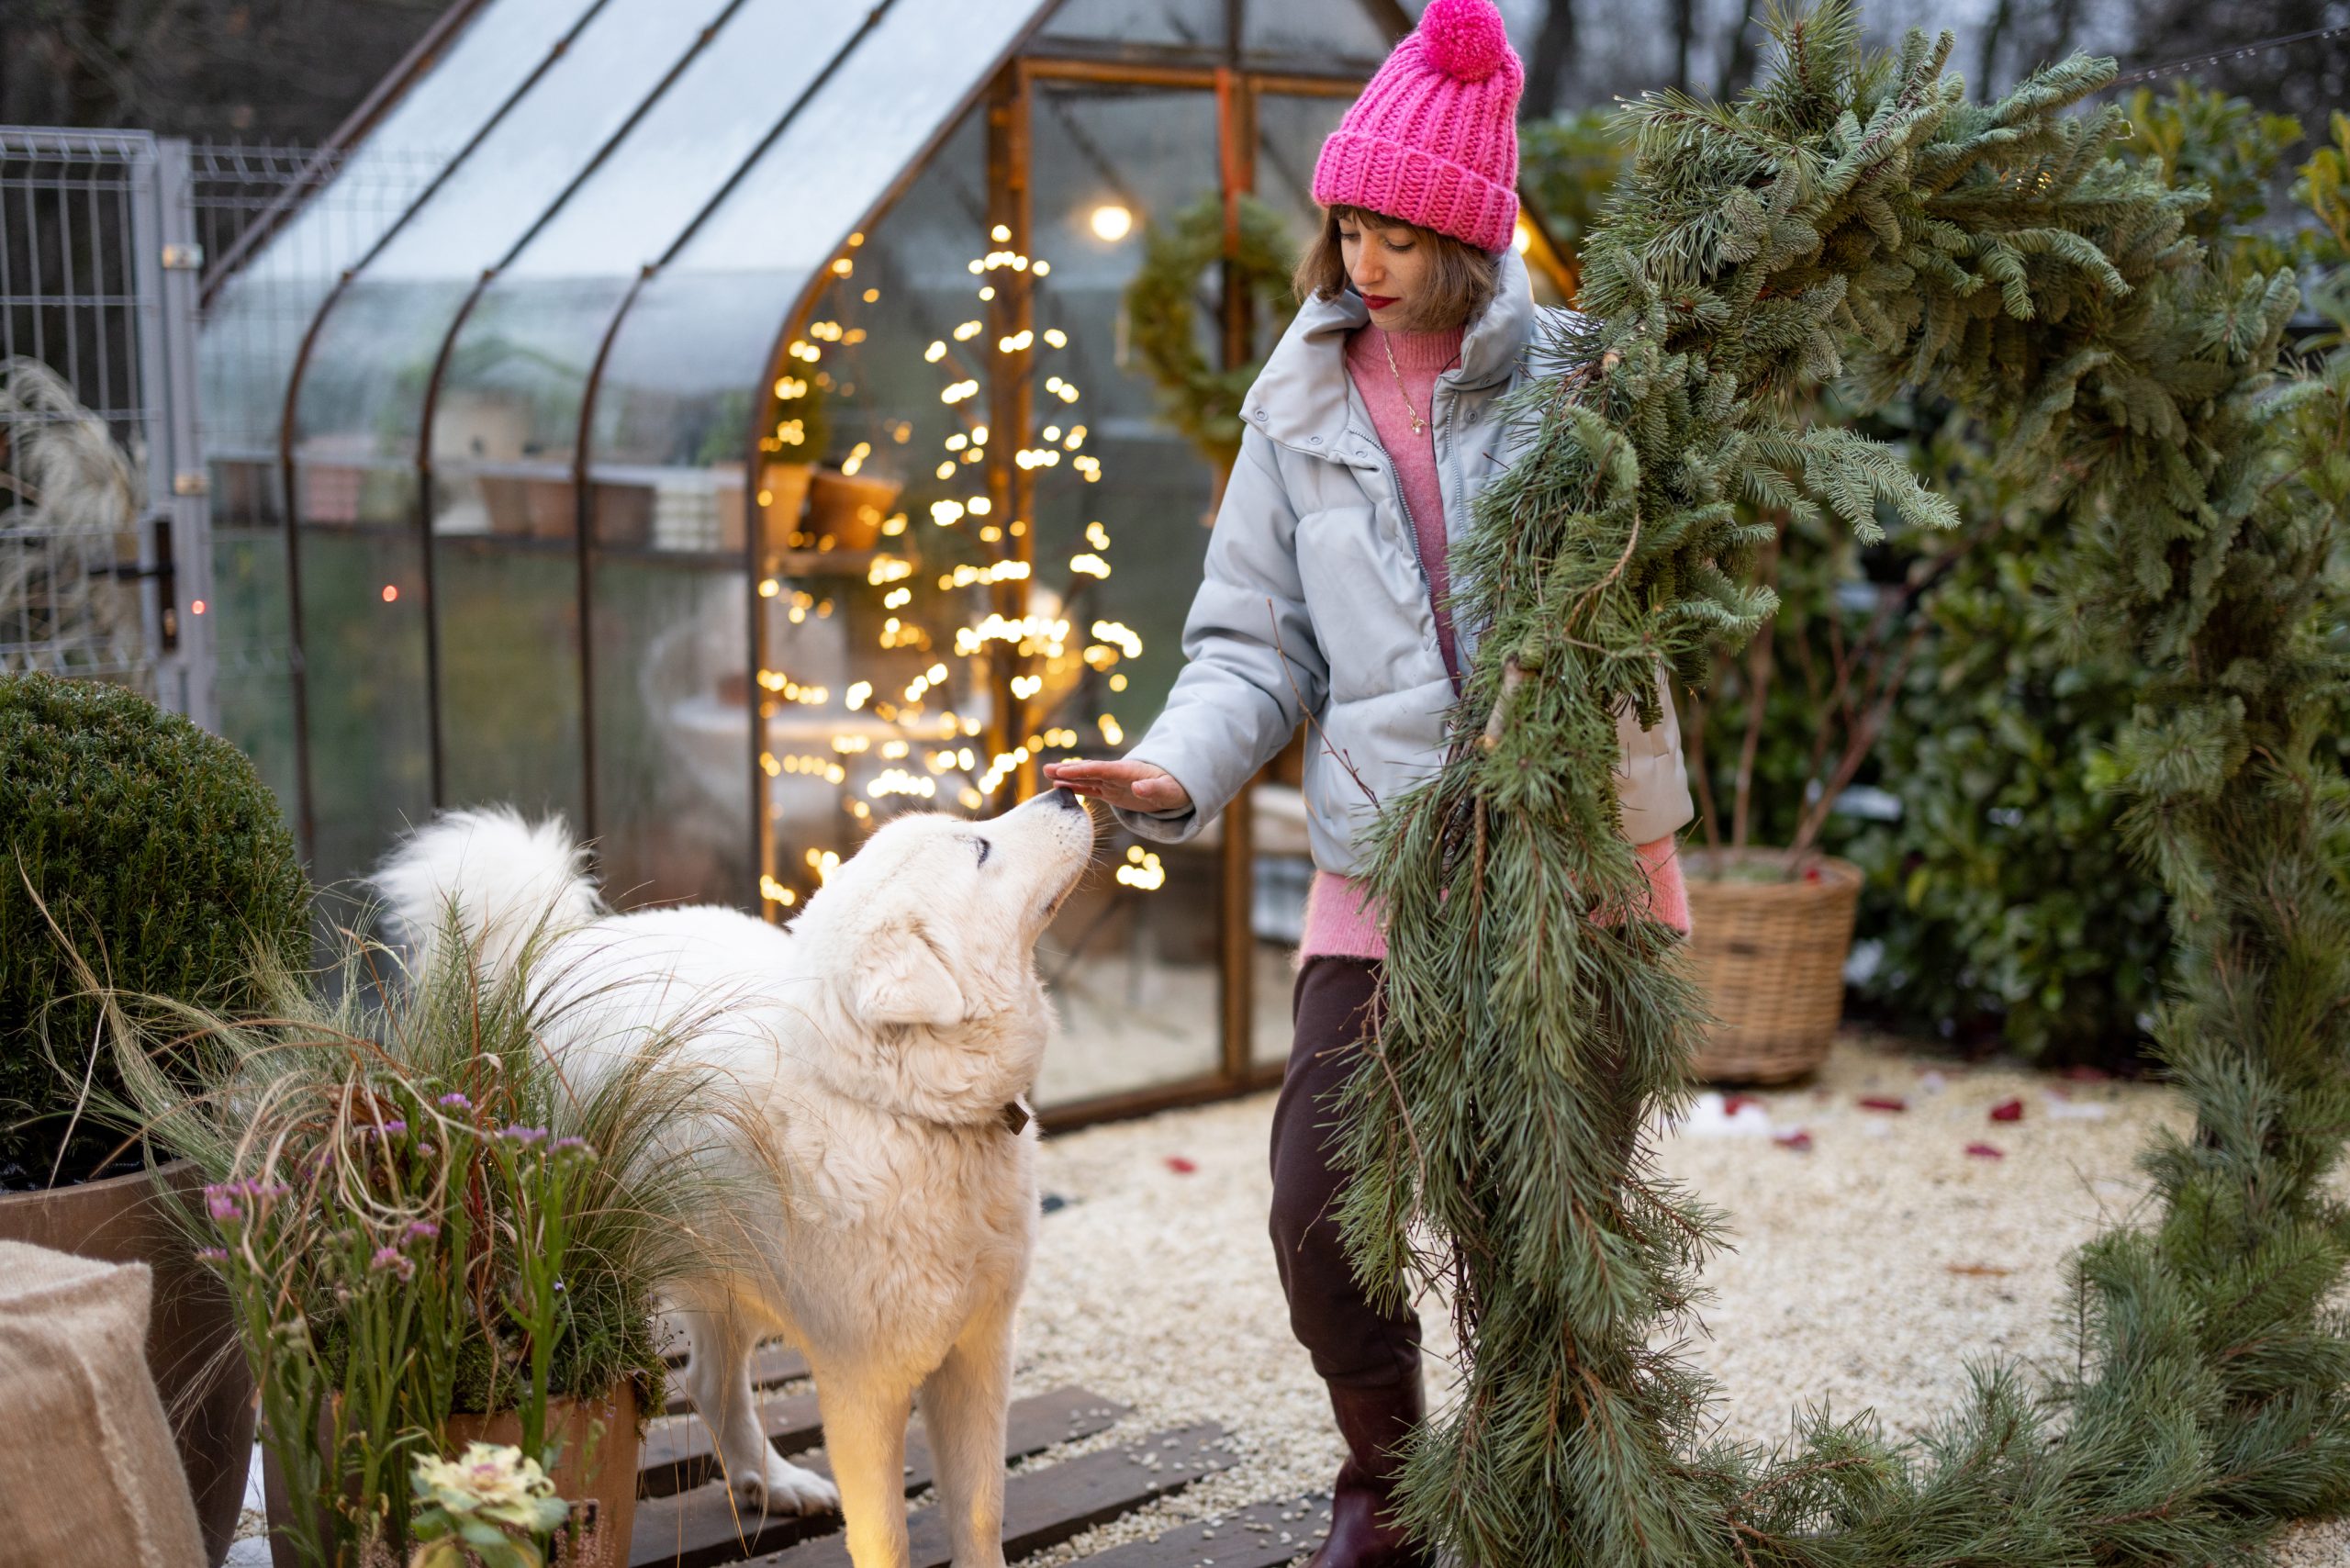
1460,276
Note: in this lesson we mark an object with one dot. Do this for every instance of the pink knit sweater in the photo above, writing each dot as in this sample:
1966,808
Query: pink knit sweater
1341,919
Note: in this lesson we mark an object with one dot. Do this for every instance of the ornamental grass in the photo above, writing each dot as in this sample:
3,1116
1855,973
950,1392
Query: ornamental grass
419,1208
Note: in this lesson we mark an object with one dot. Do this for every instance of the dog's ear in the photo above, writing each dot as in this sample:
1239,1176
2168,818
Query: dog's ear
899,977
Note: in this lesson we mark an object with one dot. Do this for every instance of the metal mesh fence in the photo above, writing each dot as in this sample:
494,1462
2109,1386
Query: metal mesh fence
87,546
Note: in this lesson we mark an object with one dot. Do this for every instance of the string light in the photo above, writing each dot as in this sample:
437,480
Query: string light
935,745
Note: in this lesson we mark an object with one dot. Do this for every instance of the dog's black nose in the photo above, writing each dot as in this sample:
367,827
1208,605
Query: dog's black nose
1067,797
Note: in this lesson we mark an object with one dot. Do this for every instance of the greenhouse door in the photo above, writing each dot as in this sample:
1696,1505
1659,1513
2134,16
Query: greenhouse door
105,531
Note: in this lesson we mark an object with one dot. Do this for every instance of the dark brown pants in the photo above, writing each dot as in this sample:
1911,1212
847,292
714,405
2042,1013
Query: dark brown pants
1354,1345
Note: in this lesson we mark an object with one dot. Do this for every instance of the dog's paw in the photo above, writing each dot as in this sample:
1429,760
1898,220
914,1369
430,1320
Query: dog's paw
786,1488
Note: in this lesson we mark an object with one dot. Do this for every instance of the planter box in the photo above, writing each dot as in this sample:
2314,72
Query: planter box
1770,953
602,1495
192,1347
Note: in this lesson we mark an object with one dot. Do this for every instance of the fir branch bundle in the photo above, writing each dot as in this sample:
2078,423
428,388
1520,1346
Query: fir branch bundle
1854,216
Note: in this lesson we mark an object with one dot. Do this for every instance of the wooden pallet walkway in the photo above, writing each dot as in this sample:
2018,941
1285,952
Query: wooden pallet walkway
1045,1507
705,1528
686,1518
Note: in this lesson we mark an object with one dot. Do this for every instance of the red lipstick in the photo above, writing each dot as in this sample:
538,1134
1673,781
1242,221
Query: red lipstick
1379,301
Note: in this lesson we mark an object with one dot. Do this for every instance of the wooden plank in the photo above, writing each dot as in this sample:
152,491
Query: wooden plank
704,1526
773,1364
1045,1507
676,1456
1263,1535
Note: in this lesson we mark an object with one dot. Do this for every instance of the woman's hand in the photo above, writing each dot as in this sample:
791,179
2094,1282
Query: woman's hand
1129,786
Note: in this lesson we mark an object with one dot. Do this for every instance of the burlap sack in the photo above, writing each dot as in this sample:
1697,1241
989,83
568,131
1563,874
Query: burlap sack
88,1472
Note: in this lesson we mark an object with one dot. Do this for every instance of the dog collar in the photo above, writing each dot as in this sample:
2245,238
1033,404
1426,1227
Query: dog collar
1015,1117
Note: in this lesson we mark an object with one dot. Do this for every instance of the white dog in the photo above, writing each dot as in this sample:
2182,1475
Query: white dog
882,1045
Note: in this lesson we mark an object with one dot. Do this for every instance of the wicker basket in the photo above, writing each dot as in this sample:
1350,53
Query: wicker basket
1771,958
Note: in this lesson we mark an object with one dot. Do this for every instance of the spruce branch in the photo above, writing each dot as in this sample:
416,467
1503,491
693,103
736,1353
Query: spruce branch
1853,217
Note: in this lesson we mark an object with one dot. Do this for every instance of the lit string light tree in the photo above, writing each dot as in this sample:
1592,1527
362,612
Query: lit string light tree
1854,215
975,666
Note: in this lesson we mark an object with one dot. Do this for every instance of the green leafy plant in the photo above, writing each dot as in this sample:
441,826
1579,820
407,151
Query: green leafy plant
2003,895
163,860
1854,215
419,1210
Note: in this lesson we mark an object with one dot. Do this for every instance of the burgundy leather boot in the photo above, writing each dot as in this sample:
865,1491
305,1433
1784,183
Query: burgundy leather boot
1374,1422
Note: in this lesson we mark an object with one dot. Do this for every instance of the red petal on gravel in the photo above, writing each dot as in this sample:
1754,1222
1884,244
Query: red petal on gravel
1733,1104
1986,1151
2008,1111
1181,1166
1798,1140
1884,1102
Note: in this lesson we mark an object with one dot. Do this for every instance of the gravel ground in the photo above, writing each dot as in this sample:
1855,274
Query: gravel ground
1869,1269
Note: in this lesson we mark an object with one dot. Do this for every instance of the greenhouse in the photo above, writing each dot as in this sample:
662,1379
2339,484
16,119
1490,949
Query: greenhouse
720,425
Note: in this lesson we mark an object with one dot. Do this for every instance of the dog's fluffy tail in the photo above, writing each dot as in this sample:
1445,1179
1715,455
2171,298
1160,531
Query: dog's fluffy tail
504,883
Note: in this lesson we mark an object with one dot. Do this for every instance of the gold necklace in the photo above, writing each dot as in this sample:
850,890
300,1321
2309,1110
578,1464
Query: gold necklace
1419,425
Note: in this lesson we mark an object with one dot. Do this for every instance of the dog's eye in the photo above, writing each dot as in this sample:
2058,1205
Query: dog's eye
984,848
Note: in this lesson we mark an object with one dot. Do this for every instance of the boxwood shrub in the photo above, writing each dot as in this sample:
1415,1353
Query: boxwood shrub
163,857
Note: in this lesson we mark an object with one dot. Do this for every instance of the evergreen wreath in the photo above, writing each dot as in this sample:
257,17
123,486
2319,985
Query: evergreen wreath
1854,216
1200,402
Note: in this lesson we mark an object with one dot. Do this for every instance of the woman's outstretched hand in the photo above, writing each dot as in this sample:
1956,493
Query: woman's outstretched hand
1129,786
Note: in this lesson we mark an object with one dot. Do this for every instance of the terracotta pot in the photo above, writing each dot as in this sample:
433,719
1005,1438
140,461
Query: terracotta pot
848,512
192,1347
783,493
600,1486
1770,952
509,504
554,515
623,515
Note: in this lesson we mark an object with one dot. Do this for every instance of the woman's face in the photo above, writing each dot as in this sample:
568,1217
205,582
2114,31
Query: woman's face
1388,265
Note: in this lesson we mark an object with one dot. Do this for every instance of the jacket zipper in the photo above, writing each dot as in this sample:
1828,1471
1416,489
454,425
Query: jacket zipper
1411,531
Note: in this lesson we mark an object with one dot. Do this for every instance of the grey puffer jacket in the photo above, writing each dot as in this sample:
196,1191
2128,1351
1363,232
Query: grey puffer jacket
1315,599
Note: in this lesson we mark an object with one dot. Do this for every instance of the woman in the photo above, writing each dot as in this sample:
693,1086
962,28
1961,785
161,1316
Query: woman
1364,441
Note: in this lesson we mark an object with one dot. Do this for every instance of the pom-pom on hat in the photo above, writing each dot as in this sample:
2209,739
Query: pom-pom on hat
1433,141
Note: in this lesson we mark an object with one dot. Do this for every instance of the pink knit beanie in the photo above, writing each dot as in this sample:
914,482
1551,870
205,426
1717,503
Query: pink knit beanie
1433,140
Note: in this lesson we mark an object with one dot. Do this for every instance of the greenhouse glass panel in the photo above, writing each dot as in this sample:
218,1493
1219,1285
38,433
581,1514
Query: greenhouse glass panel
1335,34
504,539
673,425
874,427
1290,128
1134,956
254,331
1137,24
506,433
364,654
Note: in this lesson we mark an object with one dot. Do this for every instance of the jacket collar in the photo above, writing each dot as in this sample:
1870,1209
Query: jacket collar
1300,399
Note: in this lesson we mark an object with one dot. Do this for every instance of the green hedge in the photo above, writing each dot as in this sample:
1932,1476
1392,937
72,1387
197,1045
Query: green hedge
162,855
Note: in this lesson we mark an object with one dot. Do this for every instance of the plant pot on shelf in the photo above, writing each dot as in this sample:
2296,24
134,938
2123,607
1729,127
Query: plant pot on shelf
1769,951
783,494
192,1350
597,1475
623,515
507,501
553,514
846,511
